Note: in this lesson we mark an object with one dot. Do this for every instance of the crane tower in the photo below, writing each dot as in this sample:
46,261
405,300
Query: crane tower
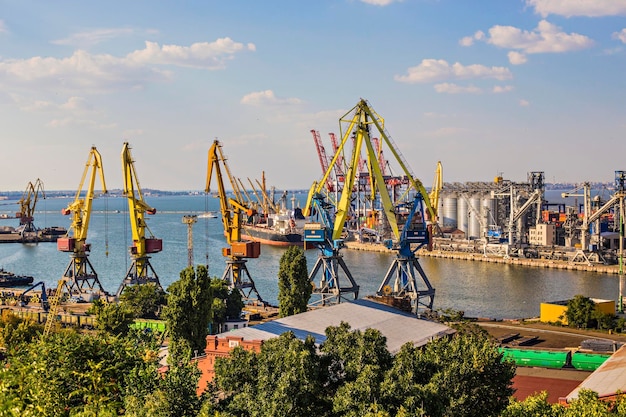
140,271
189,220
80,276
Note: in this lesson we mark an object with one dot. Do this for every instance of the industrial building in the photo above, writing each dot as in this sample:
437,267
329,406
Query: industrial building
398,327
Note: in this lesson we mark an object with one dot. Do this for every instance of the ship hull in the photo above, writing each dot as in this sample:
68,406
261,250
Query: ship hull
271,237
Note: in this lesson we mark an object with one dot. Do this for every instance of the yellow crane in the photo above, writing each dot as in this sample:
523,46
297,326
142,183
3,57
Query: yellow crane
81,276
27,203
140,271
236,273
434,198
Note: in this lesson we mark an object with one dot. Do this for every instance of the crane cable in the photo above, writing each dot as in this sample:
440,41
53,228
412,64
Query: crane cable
206,231
106,225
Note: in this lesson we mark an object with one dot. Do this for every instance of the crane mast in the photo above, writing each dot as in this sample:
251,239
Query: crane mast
80,275
140,271
236,273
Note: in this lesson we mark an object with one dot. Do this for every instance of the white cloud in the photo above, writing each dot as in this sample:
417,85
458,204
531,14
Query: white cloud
3,27
517,58
86,39
198,55
87,72
621,35
76,104
546,37
588,8
450,88
498,89
524,103
469,40
433,70
266,97
466,41
380,2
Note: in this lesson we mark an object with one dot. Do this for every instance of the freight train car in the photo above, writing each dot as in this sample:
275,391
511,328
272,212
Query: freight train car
538,358
554,359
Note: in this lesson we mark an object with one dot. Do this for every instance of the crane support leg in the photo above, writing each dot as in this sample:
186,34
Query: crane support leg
139,273
401,281
82,277
329,289
237,276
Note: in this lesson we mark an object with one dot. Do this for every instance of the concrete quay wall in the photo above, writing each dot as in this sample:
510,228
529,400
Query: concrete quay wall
479,257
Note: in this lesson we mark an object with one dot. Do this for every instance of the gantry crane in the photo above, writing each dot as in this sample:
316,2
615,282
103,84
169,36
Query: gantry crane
319,232
140,271
236,273
81,276
401,280
27,203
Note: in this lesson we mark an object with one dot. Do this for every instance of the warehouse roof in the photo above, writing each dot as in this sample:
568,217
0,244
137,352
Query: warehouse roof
608,380
397,326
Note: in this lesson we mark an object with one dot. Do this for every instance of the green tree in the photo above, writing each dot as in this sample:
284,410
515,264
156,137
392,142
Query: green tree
15,333
188,313
580,312
533,406
145,301
459,376
113,318
294,286
284,379
69,373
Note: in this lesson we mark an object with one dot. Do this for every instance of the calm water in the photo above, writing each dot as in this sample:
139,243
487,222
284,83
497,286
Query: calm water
478,288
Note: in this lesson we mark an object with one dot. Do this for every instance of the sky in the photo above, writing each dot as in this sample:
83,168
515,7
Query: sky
488,87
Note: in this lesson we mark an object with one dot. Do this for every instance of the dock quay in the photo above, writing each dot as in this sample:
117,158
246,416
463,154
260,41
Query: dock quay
479,257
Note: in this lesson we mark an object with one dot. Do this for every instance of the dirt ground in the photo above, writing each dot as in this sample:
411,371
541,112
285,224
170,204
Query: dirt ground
547,336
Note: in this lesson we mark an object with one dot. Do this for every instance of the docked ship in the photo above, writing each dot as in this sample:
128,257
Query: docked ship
284,228
9,279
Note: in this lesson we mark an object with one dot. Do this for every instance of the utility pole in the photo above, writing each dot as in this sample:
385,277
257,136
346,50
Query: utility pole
189,220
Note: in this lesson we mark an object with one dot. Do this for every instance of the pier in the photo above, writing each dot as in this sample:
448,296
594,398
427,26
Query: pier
479,257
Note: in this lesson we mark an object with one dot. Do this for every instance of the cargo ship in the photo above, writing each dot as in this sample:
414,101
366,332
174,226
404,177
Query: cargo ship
276,229
9,279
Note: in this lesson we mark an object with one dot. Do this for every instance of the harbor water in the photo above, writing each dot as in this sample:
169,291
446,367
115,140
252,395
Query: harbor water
479,289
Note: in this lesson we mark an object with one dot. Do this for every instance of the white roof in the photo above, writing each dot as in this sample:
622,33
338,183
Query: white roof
397,326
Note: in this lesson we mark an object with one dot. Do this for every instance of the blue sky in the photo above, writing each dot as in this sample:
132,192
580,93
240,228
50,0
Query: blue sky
485,87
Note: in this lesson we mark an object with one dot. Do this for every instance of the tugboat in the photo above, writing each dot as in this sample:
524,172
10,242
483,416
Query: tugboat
9,279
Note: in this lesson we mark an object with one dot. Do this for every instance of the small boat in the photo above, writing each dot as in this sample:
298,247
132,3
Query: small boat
9,279
207,215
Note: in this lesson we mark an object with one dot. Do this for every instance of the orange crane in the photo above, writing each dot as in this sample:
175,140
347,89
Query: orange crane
236,273
81,276
339,165
140,271
27,204
321,153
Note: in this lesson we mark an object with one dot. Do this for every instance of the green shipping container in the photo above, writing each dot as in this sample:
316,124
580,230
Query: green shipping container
538,358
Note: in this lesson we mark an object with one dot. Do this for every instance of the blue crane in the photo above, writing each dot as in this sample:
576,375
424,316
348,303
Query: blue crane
402,280
319,233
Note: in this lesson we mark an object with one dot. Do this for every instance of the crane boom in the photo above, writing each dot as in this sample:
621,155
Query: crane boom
80,274
323,157
141,271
